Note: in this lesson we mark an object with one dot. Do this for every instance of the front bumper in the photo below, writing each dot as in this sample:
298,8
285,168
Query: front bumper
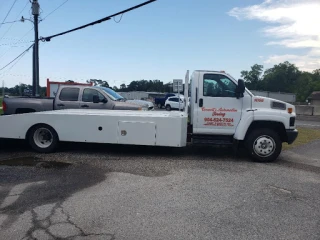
292,135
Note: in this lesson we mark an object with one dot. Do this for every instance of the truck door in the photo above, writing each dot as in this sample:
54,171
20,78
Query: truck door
67,98
218,111
87,100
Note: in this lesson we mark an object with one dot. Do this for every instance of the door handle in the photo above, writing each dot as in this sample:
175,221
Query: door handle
84,106
200,102
60,105
196,99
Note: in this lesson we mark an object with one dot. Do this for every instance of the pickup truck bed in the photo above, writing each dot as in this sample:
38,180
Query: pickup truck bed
27,104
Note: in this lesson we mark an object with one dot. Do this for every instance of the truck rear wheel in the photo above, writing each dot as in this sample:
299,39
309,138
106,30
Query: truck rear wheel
264,145
43,138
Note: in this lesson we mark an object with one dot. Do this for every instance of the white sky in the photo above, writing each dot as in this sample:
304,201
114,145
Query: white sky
292,24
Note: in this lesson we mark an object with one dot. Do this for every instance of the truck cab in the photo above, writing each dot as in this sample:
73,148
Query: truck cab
223,111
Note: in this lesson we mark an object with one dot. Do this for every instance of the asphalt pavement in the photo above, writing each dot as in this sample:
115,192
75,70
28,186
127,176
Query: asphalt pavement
121,192
308,124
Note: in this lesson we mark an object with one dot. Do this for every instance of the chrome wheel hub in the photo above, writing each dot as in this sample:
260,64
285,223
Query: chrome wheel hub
264,146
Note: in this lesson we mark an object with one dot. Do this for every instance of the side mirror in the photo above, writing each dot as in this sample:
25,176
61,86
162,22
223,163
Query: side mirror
95,99
240,88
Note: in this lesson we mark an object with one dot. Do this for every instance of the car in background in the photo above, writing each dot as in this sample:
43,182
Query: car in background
172,103
160,102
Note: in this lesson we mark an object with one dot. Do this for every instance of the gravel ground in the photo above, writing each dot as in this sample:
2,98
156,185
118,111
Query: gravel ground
120,192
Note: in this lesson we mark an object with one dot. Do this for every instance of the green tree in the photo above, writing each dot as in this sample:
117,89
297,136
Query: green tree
303,86
281,78
123,87
253,77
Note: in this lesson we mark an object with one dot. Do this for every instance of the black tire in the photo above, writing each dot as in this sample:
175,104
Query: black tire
39,146
159,105
264,145
168,107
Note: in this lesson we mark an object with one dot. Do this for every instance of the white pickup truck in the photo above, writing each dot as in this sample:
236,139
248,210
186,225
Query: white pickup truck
222,111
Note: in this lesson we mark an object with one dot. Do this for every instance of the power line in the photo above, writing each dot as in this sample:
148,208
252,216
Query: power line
9,22
119,19
20,55
15,20
5,18
97,21
54,10
33,27
17,42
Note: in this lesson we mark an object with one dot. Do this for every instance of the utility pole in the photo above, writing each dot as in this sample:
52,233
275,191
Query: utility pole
35,13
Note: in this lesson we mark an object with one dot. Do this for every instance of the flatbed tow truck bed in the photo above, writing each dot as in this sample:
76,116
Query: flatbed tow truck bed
222,111
102,126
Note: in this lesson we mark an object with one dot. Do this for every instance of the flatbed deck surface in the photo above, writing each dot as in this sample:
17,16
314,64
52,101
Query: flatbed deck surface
103,126
100,112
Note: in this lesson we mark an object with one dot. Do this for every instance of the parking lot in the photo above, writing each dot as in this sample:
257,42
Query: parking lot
87,191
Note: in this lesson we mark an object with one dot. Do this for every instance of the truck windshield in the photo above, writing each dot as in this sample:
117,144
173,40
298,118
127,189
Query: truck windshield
112,94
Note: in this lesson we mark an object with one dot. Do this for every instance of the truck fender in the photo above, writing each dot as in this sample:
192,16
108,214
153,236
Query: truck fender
243,126
253,120
278,127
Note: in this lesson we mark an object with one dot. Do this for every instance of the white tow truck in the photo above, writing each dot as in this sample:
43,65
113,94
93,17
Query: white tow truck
222,111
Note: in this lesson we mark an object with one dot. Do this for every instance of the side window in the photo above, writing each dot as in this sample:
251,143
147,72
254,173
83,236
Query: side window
229,86
174,99
215,85
88,94
211,86
69,94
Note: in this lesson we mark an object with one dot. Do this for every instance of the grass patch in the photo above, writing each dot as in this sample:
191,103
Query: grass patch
305,136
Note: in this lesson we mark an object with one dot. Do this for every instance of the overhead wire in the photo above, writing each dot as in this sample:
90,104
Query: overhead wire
12,23
17,42
97,21
20,55
5,18
119,19
33,27
54,10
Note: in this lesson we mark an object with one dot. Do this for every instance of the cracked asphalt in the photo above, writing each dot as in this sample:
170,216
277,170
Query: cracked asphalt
121,192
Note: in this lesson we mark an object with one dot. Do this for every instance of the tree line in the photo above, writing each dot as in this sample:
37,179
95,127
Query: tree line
136,85
283,77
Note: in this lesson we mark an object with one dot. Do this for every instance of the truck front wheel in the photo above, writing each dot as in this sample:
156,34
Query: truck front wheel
264,145
43,138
